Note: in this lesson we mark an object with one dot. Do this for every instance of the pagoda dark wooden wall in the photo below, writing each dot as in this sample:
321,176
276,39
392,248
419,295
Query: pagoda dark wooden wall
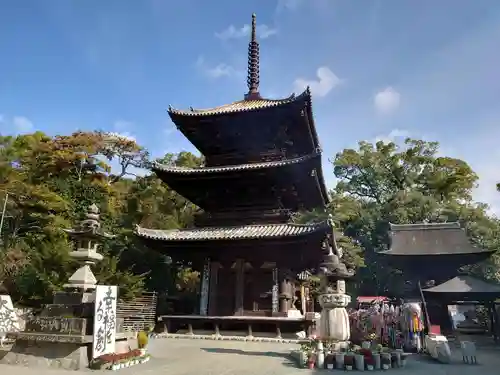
238,288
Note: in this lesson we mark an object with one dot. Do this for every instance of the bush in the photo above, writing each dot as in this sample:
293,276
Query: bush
142,340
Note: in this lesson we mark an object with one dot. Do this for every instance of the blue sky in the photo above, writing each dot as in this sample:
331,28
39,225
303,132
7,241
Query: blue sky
377,68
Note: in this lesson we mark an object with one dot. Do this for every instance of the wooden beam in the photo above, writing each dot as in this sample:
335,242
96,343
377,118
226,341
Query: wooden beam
240,284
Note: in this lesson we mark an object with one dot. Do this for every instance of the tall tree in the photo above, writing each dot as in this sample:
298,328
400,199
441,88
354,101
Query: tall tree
407,184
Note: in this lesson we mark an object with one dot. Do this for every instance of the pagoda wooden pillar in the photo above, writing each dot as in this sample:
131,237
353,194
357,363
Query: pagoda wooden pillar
285,292
205,287
214,286
239,285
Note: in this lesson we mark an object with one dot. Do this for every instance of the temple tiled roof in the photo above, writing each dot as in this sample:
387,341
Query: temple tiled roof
243,232
430,239
232,168
465,284
241,106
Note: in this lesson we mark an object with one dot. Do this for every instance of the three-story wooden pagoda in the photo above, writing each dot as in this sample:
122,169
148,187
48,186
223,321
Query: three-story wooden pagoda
262,165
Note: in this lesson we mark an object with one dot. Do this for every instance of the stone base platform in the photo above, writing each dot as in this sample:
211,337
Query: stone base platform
44,354
68,352
222,337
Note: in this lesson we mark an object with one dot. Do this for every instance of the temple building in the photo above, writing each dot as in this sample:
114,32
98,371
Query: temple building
262,166
431,251
431,255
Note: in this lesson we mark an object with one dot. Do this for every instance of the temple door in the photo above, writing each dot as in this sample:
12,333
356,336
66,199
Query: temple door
226,292
258,292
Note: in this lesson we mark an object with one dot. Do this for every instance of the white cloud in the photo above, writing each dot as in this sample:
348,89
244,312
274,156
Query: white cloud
22,124
122,130
387,101
327,80
232,32
217,71
397,136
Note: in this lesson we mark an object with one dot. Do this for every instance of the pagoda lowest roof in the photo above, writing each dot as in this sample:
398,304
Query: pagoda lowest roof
242,232
430,239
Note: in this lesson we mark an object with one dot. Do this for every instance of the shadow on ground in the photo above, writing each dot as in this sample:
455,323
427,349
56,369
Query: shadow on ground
245,352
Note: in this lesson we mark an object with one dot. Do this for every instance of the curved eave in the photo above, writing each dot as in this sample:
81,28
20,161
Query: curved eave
238,107
180,171
424,226
311,124
472,252
235,233
186,181
433,264
320,180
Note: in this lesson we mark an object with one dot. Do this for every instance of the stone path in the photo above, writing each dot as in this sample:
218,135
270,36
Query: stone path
207,357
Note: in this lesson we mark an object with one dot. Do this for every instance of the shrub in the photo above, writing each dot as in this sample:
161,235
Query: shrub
142,340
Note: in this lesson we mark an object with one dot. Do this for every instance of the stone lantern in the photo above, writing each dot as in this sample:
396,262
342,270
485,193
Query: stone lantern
87,236
61,336
334,321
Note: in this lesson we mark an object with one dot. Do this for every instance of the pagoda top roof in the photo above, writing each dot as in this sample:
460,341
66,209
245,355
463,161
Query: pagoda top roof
231,168
427,239
245,105
243,232
252,100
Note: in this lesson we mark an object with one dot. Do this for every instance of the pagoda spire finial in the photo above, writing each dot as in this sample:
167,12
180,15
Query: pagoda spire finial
253,63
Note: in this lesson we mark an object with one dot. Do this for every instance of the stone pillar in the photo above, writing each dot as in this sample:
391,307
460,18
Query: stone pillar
275,291
205,287
334,322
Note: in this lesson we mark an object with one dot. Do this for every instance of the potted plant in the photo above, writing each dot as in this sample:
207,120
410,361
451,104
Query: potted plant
339,360
142,341
330,361
404,357
386,362
348,361
311,360
369,339
369,362
359,360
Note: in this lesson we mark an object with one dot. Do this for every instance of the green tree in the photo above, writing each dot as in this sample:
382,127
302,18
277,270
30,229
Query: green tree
407,184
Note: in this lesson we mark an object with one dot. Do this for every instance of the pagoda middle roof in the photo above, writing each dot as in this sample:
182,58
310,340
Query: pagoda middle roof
242,232
430,239
232,168
245,105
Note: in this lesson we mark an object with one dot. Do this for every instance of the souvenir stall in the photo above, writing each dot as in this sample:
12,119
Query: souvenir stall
379,323
412,326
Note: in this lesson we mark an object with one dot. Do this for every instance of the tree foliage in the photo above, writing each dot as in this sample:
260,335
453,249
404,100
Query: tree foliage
50,181
383,183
